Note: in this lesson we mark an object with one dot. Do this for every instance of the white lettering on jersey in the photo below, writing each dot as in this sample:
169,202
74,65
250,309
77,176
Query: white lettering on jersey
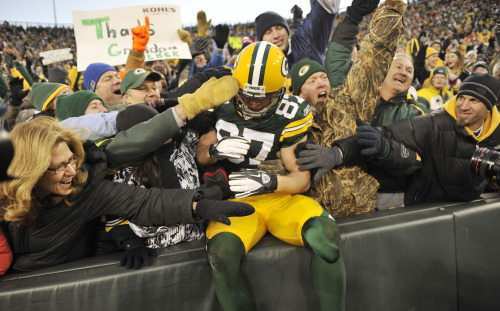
267,140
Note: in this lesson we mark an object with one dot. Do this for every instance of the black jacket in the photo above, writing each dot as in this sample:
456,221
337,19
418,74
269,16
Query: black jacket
62,233
445,150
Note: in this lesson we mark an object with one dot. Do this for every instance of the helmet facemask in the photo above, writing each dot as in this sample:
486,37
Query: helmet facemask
269,102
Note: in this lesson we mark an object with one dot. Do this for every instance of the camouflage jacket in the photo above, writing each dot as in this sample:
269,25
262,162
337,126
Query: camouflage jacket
349,190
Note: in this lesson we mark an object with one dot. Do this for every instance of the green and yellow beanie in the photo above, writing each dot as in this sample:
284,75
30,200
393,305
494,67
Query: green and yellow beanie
301,71
74,105
43,93
439,70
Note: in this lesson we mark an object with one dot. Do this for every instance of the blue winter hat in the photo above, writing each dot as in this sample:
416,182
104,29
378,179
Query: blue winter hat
92,74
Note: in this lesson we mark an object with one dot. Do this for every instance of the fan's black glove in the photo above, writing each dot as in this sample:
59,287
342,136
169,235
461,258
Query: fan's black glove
214,176
137,253
199,46
423,38
220,210
17,93
221,35
374,144
202,123
360,8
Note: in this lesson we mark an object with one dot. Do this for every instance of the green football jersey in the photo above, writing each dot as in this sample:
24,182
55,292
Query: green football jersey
289,124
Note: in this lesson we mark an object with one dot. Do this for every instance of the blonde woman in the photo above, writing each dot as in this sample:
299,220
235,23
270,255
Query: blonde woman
454,61
60,188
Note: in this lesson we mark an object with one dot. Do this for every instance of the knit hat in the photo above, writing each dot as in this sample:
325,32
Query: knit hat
482,86
58,74
74,105
469,63
134,78
439,70
438,42
301,71
133,115
430,51
456,52
92,74
470,53
43,93
480,64
268,19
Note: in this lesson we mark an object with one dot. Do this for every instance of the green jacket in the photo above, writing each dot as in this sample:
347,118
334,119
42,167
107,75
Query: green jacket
397,108
339,53
132,145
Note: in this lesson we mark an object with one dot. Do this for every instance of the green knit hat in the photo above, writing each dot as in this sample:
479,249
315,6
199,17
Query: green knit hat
439,70
43,93
74,105
437,42
456,52
301,71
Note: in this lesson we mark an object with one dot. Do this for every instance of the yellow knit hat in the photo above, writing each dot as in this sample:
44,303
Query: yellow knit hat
430,51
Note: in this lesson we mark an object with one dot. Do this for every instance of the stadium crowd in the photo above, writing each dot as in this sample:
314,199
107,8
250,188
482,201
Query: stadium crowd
383,106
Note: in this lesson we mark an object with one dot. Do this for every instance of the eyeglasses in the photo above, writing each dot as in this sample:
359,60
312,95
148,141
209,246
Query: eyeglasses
62,167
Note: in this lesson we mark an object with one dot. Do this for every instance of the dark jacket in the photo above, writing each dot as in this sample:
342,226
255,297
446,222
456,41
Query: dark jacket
445,150
62,233
386,111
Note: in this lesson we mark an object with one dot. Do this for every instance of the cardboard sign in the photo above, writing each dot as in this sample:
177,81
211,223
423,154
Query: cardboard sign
105,35
54,56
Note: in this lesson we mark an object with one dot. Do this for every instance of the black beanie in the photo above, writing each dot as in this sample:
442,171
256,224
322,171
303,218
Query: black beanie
266,20
133,115
482,86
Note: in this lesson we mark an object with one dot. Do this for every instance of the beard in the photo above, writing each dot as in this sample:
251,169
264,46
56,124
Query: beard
462,122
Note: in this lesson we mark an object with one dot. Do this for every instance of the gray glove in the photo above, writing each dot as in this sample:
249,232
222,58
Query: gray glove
324,159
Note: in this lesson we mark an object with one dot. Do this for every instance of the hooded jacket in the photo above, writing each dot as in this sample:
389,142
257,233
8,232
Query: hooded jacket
445,150
431,97
63,233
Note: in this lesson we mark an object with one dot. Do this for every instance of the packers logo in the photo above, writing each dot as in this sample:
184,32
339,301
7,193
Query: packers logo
139,71
284,67
304,70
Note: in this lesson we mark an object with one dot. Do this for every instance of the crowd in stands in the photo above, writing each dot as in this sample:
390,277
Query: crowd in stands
469,26
154,151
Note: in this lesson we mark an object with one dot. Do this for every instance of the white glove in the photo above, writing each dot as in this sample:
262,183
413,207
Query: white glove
252,182
234,147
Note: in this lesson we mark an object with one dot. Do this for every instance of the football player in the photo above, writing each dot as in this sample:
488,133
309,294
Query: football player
252,127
